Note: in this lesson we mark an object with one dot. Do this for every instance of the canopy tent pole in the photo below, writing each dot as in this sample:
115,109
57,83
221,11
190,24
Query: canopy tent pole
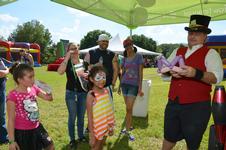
131,33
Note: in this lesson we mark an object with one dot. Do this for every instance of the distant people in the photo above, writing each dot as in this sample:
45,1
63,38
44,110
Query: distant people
106,58
75,96
131,82
26,57
3,131
100,111
188,110
24,128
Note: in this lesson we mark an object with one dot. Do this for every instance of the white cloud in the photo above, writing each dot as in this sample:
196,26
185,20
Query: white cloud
167,33
6,30
68,33
8,18
77,12
72,28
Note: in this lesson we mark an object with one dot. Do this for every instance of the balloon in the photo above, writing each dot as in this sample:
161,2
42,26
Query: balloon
139,16
174,62
164,65
146,3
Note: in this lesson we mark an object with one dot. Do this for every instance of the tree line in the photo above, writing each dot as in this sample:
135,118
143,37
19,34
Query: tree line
34,32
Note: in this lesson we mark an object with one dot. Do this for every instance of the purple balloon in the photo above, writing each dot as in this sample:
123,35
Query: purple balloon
161,61
181,61
174,62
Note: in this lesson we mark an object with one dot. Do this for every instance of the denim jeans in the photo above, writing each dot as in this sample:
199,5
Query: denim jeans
3,131
76,105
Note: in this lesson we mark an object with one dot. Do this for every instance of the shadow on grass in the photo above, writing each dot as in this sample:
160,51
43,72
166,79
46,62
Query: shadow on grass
140,122
80,146
122,142
66,147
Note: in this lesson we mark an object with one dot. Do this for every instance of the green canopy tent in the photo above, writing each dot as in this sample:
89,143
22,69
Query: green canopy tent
134,13
4,2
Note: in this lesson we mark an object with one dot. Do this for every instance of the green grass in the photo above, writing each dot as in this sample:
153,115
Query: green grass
148,131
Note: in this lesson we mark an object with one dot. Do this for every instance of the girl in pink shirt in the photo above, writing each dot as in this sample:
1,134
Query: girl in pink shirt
24,129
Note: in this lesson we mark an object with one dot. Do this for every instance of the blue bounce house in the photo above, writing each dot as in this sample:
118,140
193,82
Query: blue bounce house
218,42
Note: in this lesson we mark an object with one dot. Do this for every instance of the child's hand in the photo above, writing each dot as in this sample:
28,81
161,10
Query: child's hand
140,93
92,140
110,131
14,146
49,96
85,75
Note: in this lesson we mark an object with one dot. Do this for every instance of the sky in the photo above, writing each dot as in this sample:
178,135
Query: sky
67,23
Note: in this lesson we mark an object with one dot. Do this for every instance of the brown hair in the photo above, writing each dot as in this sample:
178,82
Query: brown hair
92,73
18,70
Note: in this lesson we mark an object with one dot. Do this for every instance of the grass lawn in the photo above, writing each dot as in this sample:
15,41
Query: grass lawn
148,131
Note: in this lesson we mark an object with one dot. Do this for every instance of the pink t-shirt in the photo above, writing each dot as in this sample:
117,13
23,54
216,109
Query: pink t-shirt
26,107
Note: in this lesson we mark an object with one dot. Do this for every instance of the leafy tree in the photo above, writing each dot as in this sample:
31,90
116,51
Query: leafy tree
90,39
144,42
167,49
33,32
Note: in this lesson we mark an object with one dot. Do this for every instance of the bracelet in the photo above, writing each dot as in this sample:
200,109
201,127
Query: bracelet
11,141
198,74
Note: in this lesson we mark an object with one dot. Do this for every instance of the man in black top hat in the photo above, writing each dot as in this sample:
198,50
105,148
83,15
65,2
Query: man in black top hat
188,109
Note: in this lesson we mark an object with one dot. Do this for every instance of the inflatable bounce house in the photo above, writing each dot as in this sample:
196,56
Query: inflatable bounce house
218,42
60,52
9,51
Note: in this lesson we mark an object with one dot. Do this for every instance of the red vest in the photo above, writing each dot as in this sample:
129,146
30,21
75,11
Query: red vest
190,90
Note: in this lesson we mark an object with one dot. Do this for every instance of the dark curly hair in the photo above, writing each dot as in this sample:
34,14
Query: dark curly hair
18,70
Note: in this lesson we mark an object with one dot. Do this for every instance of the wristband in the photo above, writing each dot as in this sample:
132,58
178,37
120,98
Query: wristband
198,74
11,141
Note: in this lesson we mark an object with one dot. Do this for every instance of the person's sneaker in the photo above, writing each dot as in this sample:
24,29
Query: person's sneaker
131,128
73,144
84,140
123,131
130,136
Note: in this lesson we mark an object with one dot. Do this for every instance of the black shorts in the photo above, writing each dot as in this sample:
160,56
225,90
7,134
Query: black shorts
35,139
187,122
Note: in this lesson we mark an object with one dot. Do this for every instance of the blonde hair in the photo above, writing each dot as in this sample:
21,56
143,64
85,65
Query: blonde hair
72,43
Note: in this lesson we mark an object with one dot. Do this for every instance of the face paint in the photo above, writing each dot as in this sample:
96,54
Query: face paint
100,76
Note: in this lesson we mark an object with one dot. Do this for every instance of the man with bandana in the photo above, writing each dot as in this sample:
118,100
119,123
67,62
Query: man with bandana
106,58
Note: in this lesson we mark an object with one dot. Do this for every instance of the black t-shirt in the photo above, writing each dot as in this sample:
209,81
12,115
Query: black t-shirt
107,56
73,83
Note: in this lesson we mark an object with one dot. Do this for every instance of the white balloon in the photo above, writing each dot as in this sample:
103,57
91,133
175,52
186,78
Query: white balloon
146,3
139,16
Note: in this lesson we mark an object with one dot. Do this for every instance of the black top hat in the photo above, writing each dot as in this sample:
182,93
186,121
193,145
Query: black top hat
199,23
